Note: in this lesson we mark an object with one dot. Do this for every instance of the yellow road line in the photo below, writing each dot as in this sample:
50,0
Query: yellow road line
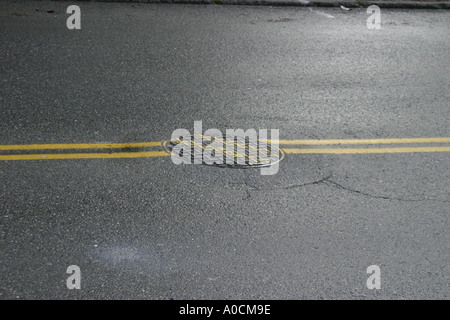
80,146
84,155
368,150
281,142
363,141
164,154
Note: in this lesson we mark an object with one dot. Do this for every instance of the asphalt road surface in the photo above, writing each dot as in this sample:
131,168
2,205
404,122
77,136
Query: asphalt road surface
145,228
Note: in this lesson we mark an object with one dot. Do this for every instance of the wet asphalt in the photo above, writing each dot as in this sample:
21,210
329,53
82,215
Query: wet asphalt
148,229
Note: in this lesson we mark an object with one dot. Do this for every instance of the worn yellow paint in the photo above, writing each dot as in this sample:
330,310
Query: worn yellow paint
50,156
364,141
367,150
158,153
80,146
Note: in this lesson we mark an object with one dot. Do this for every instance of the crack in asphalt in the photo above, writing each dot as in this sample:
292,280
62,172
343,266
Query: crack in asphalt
337,185
326,180
285,188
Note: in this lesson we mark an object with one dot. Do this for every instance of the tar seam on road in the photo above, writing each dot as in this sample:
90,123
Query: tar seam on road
160,153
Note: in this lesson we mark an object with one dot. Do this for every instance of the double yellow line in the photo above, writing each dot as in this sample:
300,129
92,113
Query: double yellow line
161,153
366,142
81,146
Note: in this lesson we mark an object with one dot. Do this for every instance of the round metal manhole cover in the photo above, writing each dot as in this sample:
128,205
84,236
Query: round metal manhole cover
227,153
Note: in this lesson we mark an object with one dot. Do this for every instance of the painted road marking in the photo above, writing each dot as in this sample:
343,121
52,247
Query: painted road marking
158,153
364,141
80,146
49,156
368,150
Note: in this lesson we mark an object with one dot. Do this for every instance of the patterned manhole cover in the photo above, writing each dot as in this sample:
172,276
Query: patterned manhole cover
211,150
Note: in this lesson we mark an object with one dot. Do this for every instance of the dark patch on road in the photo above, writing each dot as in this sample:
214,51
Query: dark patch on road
281,20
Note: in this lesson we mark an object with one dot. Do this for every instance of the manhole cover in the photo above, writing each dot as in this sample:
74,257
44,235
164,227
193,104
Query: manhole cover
223,152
